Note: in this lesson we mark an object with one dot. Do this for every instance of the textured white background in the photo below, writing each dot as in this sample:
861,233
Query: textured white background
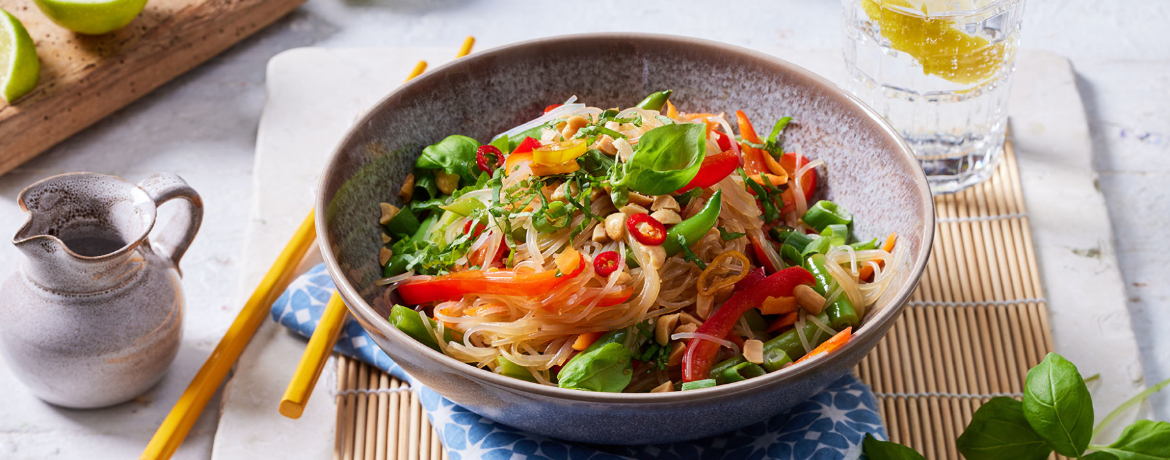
203,126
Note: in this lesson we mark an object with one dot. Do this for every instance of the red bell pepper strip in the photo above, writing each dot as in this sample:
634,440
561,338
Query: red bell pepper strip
454,286
761,256
551,107
527,145
700,354
808,181
714,169
746,131
723,140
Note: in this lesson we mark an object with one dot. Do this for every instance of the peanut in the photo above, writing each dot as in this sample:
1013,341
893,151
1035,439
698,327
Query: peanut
677,350
388,213
666,216
573,124
665,202
615,226
599,235
809,299
666,387
447,182
753,351
664,327
407,190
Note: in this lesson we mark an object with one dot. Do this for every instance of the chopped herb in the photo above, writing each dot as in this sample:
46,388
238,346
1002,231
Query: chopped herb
690,255
728,236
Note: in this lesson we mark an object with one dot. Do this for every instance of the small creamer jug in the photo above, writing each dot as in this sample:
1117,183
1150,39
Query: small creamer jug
94,315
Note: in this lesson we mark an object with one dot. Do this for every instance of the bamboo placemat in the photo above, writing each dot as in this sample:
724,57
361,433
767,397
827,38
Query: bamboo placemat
975,325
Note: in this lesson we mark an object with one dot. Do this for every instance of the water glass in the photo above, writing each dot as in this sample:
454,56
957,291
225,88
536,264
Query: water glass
939,71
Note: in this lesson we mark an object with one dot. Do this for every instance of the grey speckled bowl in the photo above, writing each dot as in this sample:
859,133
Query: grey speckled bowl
871,171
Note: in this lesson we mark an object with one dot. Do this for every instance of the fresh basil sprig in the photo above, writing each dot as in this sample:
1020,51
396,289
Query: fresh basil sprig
665,159
1056,414
999,430
876,449
454,154
1058,406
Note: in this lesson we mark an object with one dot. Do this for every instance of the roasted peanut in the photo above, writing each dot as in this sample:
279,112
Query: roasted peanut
665,202
407,190
447,182
664,327
753,351
388,213
385,239
632,209
615,226
384,255
703,305
599,235
666,216
809,299
605,145
666,387
686,328
573,124
677,350
640,199
624,149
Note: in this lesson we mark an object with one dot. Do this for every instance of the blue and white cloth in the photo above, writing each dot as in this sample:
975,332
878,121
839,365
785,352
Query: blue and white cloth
829,426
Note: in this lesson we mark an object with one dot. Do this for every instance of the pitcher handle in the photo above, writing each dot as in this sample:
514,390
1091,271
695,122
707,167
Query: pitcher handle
174,237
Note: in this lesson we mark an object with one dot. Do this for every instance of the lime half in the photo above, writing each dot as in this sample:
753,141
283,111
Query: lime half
91,17
19,67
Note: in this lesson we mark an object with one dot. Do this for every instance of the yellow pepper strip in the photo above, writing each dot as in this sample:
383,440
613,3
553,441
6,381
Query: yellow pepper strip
722,272
549,170
671,112
559,153
773,179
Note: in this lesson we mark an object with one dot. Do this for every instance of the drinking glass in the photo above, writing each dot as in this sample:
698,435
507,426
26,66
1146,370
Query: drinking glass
939,71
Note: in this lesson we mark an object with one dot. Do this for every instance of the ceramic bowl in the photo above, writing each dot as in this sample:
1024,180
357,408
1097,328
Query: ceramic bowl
871,171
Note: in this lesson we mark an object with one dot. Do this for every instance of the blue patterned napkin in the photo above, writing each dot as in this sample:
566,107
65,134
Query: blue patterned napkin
829,426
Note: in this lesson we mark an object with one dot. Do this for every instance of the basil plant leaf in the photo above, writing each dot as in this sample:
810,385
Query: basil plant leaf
1144,440
999,430
885,450
666,159
455,155
606,368
1058,406
1100,456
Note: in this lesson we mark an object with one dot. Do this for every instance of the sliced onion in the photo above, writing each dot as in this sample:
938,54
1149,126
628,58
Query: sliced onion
558,112
707,337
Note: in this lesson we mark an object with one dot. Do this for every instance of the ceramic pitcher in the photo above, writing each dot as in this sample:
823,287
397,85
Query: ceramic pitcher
93,317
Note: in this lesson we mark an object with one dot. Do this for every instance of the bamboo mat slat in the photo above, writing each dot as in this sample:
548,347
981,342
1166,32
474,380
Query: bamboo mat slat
972,329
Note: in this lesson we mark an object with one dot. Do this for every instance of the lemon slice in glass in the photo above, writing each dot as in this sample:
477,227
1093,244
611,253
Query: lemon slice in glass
91,17
935,42
19,67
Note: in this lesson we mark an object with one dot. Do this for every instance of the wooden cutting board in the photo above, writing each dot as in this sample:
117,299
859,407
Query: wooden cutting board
84,78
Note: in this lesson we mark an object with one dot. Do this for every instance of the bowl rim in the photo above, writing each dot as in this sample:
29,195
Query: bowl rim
363,311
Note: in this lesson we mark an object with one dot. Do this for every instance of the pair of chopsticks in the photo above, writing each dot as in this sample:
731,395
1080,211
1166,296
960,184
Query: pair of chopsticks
183,415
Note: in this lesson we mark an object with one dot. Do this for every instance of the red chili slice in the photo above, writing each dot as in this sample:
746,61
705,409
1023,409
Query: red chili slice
481,158
527,145
646,229
606,263
551,108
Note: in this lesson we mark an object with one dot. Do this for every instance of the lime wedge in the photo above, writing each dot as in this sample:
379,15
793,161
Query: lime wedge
19,67
91,17
941,48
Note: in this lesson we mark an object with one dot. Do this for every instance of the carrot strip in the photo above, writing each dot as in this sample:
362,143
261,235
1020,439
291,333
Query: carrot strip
585,340
783,322
774,165
867,270
778,305
834,342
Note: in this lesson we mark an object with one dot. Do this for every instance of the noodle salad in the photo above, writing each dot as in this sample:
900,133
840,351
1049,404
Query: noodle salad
626,250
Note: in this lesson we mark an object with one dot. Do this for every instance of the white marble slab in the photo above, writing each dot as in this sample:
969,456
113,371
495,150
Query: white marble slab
314,94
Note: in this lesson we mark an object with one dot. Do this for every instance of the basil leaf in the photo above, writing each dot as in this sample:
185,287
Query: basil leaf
999,430
1144,440
455,155
884,450
595,162
728,236
606,368
771,145
666,158
1100,456
1058,407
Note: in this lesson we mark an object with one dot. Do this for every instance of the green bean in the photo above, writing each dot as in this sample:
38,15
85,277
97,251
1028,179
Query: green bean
655,101
790,344
697,384
791,237
409,322
511,369
871,244
824,213
841,311
694,228
739,373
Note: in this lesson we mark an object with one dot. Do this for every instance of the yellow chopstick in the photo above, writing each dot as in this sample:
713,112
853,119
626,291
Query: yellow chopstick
178,423
300,387
313,360
466,48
